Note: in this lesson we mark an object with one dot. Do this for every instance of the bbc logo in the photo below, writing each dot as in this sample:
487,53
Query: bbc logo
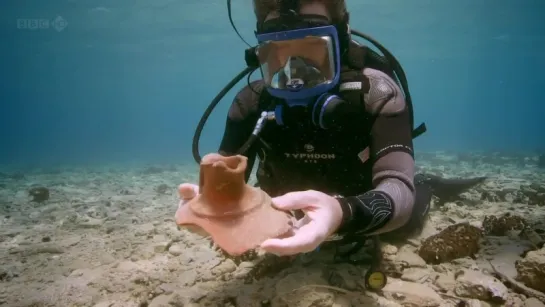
57,24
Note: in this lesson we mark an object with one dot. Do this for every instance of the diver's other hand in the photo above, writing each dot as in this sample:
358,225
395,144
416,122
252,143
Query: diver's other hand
323,216
186,192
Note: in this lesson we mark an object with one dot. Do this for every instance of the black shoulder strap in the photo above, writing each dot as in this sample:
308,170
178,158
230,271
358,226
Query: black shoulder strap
265,100
360,57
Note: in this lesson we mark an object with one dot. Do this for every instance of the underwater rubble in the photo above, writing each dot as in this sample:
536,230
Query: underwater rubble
106,237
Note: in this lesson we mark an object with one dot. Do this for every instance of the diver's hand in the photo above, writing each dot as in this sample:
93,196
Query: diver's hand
323,216
187,191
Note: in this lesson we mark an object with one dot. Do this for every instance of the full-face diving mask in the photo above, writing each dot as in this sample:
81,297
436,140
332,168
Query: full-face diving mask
297,65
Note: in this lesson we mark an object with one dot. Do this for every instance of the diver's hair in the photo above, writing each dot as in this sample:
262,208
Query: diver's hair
336,8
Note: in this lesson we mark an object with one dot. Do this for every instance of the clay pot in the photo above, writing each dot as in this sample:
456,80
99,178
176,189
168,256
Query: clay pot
237,216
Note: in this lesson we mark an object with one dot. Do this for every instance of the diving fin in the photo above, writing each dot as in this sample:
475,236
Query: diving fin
448,189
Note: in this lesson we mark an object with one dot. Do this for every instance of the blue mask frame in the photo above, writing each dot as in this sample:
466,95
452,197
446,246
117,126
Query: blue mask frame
302,96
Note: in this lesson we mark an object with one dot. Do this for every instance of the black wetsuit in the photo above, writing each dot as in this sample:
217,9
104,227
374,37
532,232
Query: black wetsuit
367,162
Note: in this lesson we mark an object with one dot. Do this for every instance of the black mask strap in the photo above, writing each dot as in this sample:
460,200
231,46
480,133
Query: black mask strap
292,22
288,7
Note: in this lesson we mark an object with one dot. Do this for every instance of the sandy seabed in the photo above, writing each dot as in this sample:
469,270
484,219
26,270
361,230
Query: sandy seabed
106,237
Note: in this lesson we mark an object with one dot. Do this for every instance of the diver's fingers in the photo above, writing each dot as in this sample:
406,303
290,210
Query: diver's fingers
306,239
301,222
187,191
295,200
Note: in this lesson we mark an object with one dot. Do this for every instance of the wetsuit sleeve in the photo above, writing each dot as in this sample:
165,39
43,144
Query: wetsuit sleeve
241,120
389,205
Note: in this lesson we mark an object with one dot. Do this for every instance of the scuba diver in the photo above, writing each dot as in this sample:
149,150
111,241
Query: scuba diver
331,125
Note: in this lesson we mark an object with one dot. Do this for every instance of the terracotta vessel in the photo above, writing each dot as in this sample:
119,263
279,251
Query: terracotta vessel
237,216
